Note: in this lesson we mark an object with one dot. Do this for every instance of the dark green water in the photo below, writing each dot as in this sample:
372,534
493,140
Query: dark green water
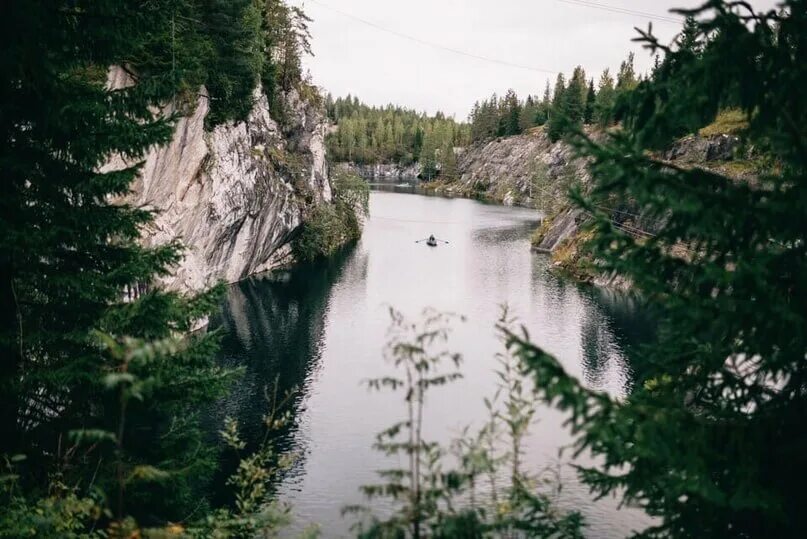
322,328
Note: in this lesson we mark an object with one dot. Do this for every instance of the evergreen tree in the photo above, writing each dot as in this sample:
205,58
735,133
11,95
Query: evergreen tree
711,440
448,164
591,100
388,134
606,99
529,114
542,115
511,114
573,103
236,60
428,157
690,37
557,123
626,78
417,145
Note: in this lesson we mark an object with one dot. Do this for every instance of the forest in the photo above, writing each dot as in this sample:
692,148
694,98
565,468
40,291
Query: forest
562,110
391,134
396,135
103,377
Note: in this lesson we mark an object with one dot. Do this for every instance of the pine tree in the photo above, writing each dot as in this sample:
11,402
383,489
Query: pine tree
529,114
591,99
448,163
557,123
711,440
606,99
690,37
573,103
236,59
542,115
626,78
428,157
511,114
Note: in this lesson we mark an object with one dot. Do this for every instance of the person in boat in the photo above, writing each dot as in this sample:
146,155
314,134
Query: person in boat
432,239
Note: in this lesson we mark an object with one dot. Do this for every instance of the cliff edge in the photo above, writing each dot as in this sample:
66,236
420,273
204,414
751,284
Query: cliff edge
233,195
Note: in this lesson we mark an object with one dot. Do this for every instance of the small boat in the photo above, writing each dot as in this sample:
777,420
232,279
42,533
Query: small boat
431,241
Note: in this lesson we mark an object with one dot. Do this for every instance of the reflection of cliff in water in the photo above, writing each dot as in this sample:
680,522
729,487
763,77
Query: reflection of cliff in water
273,329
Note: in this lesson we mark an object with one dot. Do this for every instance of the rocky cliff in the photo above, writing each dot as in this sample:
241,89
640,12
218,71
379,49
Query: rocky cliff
233,195
527,170
382,171
531,170
560,233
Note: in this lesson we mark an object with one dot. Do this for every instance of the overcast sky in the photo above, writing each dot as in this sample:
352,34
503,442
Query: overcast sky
380,66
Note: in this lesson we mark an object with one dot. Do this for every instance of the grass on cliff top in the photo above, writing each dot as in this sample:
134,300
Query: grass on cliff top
727,122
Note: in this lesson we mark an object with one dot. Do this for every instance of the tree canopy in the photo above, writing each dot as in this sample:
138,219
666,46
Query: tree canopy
563,111
390,134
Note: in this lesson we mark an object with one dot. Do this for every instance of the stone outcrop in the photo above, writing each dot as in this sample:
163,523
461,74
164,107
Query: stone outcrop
382,172
560,234
234,195
695,149
564,226
527,170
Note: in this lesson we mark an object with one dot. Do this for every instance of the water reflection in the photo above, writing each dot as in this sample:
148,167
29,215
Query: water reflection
273,329
323,328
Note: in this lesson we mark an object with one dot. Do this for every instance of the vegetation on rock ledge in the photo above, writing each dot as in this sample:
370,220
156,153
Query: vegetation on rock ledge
330,226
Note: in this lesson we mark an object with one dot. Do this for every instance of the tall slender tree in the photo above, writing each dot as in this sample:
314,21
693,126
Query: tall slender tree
591,100
606,99
556,123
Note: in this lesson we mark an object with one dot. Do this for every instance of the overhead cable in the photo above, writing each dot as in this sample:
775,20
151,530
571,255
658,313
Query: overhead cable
433,44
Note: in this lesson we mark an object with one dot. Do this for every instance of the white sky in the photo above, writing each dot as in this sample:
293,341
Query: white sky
556,35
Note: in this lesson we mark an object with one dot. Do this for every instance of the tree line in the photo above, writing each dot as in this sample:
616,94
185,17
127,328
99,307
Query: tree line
391,134
562,109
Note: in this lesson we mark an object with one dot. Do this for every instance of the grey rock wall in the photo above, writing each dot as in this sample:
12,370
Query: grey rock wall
235,195
526,169
382,171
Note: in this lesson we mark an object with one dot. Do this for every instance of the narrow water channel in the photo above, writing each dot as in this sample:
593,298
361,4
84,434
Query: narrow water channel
322,328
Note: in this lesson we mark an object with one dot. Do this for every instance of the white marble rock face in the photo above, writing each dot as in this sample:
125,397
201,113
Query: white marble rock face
223,195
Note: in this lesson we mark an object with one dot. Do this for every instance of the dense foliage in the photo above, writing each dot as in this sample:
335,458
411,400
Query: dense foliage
563,110
391,134
330,226
712,438
101,379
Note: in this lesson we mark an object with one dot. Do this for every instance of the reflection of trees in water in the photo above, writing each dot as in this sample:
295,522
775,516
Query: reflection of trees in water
600,350
495,236
614,328
273,328
554,290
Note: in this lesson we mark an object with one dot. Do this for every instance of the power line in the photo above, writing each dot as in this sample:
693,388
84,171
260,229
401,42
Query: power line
624,11
435,45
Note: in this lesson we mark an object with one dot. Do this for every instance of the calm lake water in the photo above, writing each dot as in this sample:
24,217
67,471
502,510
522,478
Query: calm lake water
323,327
